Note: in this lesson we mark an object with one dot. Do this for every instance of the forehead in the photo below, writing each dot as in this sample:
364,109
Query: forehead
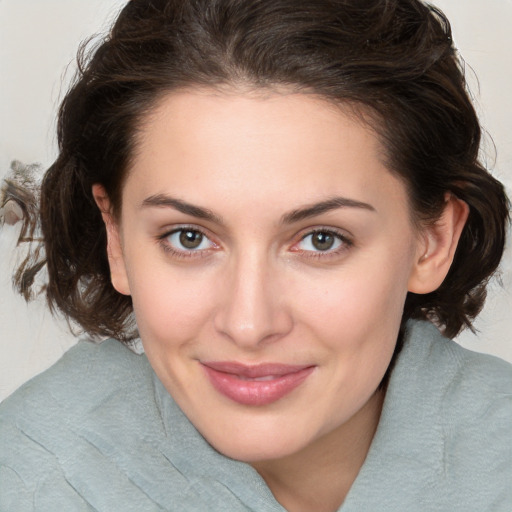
250,113
209,144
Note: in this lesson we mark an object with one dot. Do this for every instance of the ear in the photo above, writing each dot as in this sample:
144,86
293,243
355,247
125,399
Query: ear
115,254
437,246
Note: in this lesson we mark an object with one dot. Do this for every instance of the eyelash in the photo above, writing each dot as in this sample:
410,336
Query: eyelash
163,240
345,243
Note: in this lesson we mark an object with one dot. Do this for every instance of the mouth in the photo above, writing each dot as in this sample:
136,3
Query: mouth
255,385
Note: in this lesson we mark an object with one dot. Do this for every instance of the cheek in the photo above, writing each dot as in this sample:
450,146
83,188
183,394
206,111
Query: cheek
358,295
170,307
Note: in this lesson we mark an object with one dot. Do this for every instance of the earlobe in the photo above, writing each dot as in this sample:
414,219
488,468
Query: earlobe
115,255
437,248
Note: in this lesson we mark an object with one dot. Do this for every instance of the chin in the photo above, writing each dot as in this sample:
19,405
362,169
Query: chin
253,453
255,445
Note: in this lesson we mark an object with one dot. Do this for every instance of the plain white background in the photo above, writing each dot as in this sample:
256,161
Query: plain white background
38,41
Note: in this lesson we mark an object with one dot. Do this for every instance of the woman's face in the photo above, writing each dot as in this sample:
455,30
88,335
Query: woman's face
268,252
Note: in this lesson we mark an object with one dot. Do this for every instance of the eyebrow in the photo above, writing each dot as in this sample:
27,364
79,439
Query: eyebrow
323,207
162,200
306,212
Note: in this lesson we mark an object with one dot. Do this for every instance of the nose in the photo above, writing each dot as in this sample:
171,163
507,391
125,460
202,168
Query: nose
252,310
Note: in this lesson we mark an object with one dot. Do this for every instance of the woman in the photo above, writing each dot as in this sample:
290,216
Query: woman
280,198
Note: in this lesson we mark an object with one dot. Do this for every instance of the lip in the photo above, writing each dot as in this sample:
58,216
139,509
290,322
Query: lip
255,385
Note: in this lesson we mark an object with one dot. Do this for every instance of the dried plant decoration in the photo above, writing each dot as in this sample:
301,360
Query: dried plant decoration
19,202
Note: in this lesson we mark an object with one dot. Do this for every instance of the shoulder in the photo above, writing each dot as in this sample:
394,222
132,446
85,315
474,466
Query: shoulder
76,386
458,368
470,394
85,373
467,386
61,430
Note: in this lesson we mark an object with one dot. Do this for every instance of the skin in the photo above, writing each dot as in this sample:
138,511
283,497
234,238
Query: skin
257,289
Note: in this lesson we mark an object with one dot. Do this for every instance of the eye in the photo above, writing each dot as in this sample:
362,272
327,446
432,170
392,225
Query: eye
322,240
188,240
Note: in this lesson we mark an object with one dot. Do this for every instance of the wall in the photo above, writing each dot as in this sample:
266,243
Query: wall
38,40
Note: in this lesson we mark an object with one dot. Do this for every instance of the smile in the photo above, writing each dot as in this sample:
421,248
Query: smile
255,385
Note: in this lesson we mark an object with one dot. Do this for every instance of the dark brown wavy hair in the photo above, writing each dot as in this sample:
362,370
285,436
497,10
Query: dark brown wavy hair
394,60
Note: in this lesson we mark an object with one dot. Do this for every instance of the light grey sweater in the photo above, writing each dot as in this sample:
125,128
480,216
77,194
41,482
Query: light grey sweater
98,432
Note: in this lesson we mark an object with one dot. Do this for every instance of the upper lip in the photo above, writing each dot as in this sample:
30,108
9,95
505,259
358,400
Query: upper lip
256,370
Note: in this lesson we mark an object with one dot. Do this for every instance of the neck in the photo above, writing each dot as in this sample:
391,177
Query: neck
320,475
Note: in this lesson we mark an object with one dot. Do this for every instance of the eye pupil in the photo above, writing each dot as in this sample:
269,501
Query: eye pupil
322,241
190,239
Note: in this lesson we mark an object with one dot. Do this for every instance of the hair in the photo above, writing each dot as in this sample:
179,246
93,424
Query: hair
394,60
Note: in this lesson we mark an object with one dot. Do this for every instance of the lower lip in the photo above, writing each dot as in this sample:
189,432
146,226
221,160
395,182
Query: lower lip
256,392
